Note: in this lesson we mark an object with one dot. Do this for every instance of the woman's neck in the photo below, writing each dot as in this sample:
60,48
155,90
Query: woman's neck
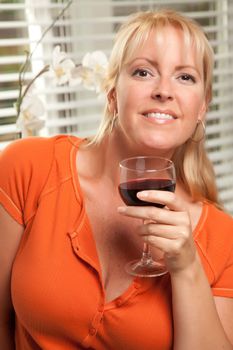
104,157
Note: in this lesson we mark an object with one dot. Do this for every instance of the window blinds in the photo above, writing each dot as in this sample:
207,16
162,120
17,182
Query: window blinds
88,26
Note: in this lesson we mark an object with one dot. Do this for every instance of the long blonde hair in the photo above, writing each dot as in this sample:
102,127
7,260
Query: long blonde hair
194,170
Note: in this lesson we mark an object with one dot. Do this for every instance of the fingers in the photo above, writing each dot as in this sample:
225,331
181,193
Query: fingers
168,199
171,217
166,237
158,215
176,243
167,229
163,231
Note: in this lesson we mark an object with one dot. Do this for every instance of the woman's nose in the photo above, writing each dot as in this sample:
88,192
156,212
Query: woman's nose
162,90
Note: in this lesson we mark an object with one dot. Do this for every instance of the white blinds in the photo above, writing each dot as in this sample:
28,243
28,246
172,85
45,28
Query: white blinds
90,25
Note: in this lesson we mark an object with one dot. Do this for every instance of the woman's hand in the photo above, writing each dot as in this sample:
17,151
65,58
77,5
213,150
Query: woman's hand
167,229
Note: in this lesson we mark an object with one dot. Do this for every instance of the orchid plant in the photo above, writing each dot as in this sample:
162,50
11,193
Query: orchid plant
62,70
90,73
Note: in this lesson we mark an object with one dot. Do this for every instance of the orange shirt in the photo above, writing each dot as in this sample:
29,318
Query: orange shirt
57,288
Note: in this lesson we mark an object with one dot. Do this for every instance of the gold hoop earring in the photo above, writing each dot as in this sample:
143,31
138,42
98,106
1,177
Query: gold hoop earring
200,134
113,122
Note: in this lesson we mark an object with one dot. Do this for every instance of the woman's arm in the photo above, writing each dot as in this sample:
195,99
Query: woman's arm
225,311
10,235
198,324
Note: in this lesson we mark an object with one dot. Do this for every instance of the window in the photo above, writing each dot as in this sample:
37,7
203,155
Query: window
90,25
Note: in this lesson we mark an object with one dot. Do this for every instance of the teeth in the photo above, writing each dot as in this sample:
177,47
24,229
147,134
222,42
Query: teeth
159,116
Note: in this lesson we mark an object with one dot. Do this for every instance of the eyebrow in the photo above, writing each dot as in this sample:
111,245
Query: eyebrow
153,63
186,66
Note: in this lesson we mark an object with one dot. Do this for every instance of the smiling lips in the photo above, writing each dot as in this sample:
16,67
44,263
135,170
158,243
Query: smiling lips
159,117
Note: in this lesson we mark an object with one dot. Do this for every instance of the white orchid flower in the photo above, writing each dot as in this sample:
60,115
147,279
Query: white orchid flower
97,61
29,119
61,67
91,73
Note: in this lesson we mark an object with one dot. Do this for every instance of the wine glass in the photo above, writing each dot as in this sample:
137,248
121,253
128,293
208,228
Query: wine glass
145,173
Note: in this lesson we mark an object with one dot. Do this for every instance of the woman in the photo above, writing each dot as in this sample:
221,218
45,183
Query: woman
67,234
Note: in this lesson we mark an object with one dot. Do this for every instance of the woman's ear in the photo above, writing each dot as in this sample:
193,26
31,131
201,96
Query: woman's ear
203,111
112,101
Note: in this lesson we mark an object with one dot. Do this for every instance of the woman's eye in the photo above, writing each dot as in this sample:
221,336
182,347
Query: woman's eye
188,78
142,73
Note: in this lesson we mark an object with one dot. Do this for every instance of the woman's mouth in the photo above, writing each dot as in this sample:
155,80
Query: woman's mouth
159,117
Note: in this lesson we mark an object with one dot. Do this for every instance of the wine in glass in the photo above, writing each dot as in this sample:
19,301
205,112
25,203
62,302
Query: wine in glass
139,174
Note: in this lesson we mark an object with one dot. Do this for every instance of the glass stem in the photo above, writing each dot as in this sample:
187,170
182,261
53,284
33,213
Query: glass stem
146,254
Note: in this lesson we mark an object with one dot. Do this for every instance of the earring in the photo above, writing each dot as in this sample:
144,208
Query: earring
200,134
113,122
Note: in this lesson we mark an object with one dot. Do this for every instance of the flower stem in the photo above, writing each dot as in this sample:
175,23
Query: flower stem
60,14
42,71
25,65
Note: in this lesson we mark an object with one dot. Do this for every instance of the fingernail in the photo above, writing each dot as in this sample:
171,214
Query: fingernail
142,194
121,209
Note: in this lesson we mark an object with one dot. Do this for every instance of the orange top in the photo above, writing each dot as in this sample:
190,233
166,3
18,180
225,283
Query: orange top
57,288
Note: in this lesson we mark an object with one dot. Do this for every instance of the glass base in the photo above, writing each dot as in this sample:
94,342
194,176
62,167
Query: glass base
150,268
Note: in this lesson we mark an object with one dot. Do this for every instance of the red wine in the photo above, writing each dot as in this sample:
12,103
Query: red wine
128,190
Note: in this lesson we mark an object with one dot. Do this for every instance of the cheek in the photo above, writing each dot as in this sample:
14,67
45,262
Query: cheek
129,92
194,103
126,98
122,103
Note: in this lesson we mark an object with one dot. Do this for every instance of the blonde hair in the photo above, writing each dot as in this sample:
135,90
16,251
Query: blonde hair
194,170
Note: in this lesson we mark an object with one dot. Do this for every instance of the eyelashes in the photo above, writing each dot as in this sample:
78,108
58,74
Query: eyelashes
142,73
187,78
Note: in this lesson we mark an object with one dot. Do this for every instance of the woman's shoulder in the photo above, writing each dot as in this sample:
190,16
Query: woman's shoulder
215,224
33,151
26,166
214,240
22,150
28,146
216,219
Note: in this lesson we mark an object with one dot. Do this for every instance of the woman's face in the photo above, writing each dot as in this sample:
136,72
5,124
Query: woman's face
160,93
